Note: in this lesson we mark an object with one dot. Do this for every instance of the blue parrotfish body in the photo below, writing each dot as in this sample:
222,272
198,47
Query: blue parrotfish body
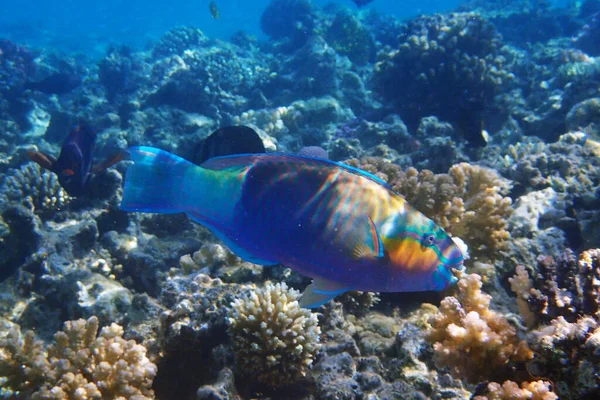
341,226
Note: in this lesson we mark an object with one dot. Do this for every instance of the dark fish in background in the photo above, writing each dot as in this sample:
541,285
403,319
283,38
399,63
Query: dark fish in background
74,164
361,3
59,83
239,139
226,141
470,119
214,11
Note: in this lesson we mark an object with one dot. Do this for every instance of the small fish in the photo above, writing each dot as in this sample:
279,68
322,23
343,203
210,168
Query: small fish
214,11
240,139
345,228
59,83
74,164
361,3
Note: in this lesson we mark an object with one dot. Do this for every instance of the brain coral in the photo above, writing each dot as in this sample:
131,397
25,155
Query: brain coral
79,364
275,341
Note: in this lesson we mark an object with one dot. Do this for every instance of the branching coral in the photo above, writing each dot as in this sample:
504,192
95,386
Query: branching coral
36,189
275,340
468,201
79,364
563,293
470,339
569,355
509,390
561,286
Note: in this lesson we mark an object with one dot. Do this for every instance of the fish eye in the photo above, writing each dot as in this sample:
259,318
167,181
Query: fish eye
429,239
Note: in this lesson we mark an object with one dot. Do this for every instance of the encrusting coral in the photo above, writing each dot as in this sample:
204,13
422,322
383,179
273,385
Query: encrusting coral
275,341
468,201
79,364
471,340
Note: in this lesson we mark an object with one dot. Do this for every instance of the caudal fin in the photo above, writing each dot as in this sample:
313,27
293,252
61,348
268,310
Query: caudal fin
156,182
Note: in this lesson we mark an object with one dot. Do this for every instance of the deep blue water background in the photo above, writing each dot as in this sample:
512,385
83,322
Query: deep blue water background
91,26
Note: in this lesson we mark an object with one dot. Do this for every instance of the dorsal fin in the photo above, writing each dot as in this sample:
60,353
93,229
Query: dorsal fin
220,163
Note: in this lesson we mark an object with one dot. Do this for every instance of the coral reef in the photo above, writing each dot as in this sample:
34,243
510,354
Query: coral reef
442,62
561,286
568,355
400,97
349,37
293,21
472,340
275,341
80,364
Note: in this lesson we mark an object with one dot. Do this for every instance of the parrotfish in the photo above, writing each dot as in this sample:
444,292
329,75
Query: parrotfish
74,164
343,227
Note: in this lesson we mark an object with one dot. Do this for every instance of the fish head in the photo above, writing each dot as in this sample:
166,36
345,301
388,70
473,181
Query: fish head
417,246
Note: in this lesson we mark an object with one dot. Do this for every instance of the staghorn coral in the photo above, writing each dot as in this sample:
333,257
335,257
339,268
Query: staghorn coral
470,339
441,63
80,364
467,202
563,285
36,189
509,390
275,340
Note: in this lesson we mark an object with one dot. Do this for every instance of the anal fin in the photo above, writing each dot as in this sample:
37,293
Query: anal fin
320,291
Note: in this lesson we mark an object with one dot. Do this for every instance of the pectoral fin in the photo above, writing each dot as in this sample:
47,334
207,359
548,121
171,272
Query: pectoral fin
42,159
367,244
109,161
320,291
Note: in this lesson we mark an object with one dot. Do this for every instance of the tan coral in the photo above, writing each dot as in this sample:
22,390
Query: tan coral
79,364
509,390
471,340
275,340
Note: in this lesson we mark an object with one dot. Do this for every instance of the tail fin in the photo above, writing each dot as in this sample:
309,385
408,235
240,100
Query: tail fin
156,182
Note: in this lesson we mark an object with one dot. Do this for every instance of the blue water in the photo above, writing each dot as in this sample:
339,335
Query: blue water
90,27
